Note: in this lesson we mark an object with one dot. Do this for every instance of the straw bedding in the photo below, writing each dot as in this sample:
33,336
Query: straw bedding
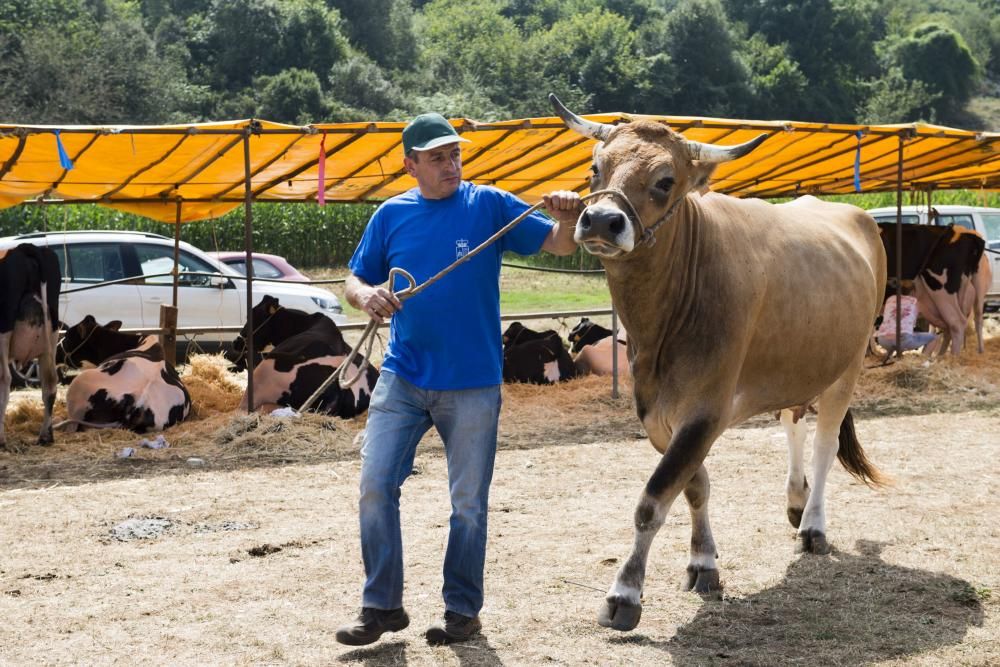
580,411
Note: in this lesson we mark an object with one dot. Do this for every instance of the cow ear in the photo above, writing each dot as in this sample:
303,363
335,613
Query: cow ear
114,325
89,319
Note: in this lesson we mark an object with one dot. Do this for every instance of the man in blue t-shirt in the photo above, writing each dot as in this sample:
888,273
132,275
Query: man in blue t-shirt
443,366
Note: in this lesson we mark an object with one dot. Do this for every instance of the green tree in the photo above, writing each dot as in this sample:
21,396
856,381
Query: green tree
892,98
830,41
594,53
292,96
938,57
242,39
383,29
98,73
360,88
708,81
775,78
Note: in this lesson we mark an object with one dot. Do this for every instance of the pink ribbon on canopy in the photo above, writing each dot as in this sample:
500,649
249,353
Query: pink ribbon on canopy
321,192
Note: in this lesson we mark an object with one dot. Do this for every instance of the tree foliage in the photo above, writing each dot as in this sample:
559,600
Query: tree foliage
154,61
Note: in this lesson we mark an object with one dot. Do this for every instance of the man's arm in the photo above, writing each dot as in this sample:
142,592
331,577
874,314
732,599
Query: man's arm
565,207
376,302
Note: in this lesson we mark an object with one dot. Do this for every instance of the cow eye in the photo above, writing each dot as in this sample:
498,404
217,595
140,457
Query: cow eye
664,184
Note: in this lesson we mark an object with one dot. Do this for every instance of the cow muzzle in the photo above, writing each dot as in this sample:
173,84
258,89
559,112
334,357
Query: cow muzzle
605,230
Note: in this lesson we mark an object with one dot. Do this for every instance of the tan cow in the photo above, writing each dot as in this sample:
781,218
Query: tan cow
734,308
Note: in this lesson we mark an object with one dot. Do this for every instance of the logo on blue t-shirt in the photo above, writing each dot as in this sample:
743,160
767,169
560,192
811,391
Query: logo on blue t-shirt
461,248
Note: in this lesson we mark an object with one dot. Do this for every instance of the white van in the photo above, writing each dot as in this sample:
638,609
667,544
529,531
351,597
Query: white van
984,220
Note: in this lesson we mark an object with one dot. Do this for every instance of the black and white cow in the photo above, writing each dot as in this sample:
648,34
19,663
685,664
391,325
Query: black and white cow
587,332
29,301
593,349
133,386
535,357
951,272
307,349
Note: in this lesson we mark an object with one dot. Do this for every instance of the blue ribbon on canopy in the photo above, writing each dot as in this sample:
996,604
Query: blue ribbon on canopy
64,160
857,163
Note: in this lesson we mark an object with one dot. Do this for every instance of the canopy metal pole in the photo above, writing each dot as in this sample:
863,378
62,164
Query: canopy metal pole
614,352
899,245
177,249
248,243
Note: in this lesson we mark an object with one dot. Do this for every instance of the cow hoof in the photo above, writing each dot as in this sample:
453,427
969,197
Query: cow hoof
812,541
46,439
795,516
700,580
618,613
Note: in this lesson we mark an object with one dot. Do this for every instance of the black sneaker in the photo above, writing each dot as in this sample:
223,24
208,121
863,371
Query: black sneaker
370,624
454,628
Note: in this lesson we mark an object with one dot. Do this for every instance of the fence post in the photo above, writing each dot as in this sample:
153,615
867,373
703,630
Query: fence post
168,332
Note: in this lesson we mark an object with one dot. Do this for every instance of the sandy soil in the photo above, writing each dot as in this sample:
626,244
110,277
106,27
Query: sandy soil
258,565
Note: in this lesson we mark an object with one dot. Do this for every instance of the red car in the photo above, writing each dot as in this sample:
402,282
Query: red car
264,265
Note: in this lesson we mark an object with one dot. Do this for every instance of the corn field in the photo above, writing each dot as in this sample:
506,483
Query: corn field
325,236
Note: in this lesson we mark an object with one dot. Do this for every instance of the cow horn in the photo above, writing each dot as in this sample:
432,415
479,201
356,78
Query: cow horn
712,153
587,128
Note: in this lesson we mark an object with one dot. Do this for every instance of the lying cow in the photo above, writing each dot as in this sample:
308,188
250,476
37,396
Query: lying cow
307,349
29,301
711,289
593,350
535,357
132,387
951,272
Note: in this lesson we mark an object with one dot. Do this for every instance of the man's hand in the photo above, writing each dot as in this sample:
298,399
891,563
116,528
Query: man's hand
377,302
564,206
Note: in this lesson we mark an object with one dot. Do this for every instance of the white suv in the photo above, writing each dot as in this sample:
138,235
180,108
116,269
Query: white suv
90,257
984,220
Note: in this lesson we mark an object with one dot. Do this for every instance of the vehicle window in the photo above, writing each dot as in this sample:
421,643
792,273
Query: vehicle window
155,260
92,262
959,220
239,264
991,225
907,219
263,269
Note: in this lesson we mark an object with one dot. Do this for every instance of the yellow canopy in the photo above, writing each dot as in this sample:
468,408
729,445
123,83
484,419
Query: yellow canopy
147,170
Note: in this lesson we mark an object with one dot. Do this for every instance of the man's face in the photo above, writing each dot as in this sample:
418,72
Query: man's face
438,171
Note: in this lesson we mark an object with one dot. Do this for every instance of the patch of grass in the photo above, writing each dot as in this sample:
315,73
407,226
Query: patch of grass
521,291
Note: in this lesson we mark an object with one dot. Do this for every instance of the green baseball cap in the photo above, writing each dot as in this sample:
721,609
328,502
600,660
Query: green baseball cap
427,131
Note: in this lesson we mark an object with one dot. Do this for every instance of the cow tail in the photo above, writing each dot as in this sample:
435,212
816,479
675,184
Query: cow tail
853,458
79,422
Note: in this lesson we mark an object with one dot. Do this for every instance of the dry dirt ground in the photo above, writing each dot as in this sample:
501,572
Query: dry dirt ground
251,556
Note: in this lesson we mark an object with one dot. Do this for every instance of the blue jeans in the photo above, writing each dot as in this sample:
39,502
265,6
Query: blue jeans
398,416
910,341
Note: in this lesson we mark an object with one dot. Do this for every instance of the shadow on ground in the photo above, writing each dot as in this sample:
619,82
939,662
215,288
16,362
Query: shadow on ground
857,610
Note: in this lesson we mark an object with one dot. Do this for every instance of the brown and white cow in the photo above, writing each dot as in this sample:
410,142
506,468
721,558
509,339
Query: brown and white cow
308,347
29,301
951,272
733,308
133,386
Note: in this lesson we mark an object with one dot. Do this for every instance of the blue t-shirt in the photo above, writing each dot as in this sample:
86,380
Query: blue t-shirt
448,336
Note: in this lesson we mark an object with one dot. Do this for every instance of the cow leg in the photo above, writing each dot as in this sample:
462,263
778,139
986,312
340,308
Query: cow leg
50,381
832,408
796,484
5,378
702,570
681,460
